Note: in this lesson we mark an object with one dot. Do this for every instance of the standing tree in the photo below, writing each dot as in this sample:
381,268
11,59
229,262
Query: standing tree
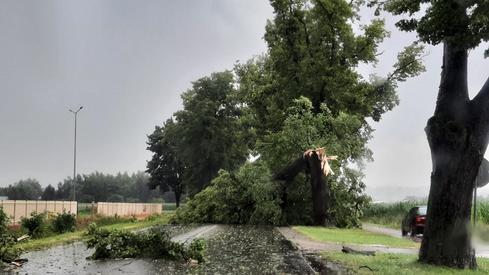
28,189
458,131
49,193
210,135
314,53
165,167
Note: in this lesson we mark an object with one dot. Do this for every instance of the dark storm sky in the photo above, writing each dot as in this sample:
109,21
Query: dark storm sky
127,62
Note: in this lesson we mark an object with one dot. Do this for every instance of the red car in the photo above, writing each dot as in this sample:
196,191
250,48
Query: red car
415,221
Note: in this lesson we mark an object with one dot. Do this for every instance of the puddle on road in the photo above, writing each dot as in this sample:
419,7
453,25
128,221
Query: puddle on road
71,259
232,250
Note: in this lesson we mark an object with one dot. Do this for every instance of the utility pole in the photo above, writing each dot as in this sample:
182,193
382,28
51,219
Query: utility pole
74,154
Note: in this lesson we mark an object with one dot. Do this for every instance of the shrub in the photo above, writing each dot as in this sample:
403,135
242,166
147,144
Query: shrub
64,222
155,243
8,252
347,199
245,197
35,224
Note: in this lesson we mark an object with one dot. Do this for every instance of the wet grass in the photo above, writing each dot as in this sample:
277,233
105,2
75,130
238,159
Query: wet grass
69,237
396,264
353,236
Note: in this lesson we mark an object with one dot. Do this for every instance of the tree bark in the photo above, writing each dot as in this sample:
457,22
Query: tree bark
178,195
457,142
319,189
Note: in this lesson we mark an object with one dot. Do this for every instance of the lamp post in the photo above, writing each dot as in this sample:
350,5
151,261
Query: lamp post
74,154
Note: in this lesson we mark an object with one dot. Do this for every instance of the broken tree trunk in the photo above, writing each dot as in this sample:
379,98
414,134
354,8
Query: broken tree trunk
315,162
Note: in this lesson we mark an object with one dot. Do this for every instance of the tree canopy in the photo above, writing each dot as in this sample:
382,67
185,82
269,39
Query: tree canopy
205,136
305,92
27,189
166,168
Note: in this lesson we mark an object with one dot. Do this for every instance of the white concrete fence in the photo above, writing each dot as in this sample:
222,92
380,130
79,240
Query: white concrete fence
128,209
18,209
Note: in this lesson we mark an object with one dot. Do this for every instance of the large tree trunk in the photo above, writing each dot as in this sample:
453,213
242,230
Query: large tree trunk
319,188
456,136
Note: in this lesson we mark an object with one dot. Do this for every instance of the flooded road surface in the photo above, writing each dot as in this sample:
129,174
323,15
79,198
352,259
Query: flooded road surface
230,250
71,259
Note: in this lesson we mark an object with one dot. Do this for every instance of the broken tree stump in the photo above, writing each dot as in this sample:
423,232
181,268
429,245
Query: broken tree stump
315,163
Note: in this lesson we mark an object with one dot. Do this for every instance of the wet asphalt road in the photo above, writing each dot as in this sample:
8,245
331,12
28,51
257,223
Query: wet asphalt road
230,250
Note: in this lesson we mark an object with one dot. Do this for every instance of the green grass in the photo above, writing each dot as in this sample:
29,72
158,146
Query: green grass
80,234
170,206
353,236
396,264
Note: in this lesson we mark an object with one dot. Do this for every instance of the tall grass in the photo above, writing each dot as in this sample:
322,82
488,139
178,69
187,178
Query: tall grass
483,211
389,214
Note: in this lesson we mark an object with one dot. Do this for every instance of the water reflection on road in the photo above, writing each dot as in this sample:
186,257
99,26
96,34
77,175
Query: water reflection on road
231,250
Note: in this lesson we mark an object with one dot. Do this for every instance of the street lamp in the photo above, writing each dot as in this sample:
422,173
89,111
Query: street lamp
74,154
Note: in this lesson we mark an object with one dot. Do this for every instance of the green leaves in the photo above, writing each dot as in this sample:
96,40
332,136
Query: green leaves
408,63
154,243
398,7
461,23
248,196
8,252
64,222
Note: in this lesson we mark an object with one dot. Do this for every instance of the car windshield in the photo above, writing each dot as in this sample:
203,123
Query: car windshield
422,210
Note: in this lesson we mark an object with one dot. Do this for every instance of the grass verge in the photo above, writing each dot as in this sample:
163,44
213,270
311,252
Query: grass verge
34,244
353,236
394,223
396,264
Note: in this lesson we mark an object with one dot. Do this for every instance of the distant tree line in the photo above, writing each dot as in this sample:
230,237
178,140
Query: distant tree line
122,187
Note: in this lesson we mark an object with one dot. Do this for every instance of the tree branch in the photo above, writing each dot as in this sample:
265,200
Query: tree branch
453,93
481,100
480,109
289,172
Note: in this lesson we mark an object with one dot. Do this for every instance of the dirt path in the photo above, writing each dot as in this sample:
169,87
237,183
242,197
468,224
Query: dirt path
306,244
382,230
481,248
374,228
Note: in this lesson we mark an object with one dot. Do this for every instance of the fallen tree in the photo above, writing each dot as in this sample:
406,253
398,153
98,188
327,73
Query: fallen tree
154,243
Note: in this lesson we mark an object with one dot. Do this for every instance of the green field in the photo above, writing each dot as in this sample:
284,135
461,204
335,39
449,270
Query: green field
353,236
396,264
391,214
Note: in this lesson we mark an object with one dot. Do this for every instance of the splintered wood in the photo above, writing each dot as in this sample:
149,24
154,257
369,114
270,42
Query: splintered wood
321,153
